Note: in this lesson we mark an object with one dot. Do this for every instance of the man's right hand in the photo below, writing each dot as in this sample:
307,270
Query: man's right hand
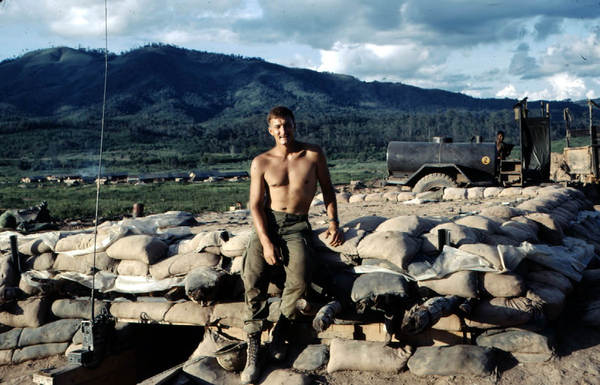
271,255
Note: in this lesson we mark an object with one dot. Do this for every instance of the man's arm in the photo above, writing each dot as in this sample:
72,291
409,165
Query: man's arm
337,238
257,209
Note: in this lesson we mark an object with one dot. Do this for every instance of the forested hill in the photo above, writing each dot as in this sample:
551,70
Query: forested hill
172,98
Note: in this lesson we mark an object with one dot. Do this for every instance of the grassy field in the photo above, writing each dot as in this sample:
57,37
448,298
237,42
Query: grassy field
79,202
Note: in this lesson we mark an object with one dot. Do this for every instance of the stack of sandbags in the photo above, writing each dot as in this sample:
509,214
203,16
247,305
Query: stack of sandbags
23,344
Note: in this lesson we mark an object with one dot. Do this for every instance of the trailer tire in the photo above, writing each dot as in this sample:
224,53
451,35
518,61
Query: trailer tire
432,182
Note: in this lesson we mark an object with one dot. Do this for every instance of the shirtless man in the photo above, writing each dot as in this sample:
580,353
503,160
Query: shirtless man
283,182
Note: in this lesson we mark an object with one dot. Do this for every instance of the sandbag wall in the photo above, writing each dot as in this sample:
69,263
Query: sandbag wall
389,270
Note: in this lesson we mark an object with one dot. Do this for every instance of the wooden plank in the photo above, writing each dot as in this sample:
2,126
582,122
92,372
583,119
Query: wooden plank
118,369
163,377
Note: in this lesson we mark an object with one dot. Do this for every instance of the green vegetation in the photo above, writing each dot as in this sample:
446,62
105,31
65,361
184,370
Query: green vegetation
79,202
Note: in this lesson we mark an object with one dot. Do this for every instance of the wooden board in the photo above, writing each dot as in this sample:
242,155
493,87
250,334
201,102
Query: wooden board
118,369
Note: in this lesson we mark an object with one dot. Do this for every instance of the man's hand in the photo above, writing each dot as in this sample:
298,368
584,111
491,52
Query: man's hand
271,255
337,237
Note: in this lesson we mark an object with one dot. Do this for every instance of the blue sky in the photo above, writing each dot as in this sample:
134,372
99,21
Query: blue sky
543,49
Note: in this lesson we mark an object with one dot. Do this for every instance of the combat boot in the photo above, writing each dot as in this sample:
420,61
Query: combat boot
278,347
251,370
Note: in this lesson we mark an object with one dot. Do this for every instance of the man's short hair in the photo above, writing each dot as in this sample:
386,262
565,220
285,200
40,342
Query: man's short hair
500,132
280,112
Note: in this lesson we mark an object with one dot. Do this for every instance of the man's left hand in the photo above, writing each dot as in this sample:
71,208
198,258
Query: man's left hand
337,237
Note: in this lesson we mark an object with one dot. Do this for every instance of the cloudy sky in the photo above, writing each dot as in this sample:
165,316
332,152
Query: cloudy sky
543,49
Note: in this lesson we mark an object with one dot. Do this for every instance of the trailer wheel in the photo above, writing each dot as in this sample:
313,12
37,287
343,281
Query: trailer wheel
433,182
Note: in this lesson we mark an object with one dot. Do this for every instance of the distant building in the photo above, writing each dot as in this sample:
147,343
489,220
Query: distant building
69,178
33,179
236,175
199,175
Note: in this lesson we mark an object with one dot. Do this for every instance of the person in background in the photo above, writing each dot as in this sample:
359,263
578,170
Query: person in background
283,182
501,147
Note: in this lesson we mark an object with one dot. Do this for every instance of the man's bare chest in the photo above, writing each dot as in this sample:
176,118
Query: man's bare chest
290,174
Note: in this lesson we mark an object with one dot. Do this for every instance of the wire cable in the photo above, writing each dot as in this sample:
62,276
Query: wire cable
100,157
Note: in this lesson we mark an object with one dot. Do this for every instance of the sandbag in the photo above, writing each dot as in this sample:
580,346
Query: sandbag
391,196
525,346
312,357
37,352
29,313
549,297
6,357
84,263
35,247
10,339
552,278
133,267
186,245
229,314
393,246
411,224
203,283
54,332
287,377
498,239
505,212
237,244
487,252
405,196
501,285
181,264
375,284
459,235
343,197
530,191
519,232
591,314
77,308
366,223
452,360
212,241
491,192
357,198
475,193
462,283
41,262
142,248
352,237
84,242
430,244
453,193
366,356
206,370
8,274
500,312
511,192
188,312
590,277
484,224
374,197
140,310
334,259
449,323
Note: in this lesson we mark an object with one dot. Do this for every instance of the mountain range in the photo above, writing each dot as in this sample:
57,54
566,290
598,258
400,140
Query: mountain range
162,98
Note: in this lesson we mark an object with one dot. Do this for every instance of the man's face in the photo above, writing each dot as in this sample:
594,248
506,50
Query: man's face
500,137
282,130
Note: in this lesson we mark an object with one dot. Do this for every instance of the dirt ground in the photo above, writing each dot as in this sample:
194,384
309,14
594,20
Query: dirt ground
578,347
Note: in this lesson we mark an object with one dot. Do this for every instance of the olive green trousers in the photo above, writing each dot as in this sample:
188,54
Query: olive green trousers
291,234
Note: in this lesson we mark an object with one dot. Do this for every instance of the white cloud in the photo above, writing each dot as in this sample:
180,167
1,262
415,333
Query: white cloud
376,62
509,91
567,86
